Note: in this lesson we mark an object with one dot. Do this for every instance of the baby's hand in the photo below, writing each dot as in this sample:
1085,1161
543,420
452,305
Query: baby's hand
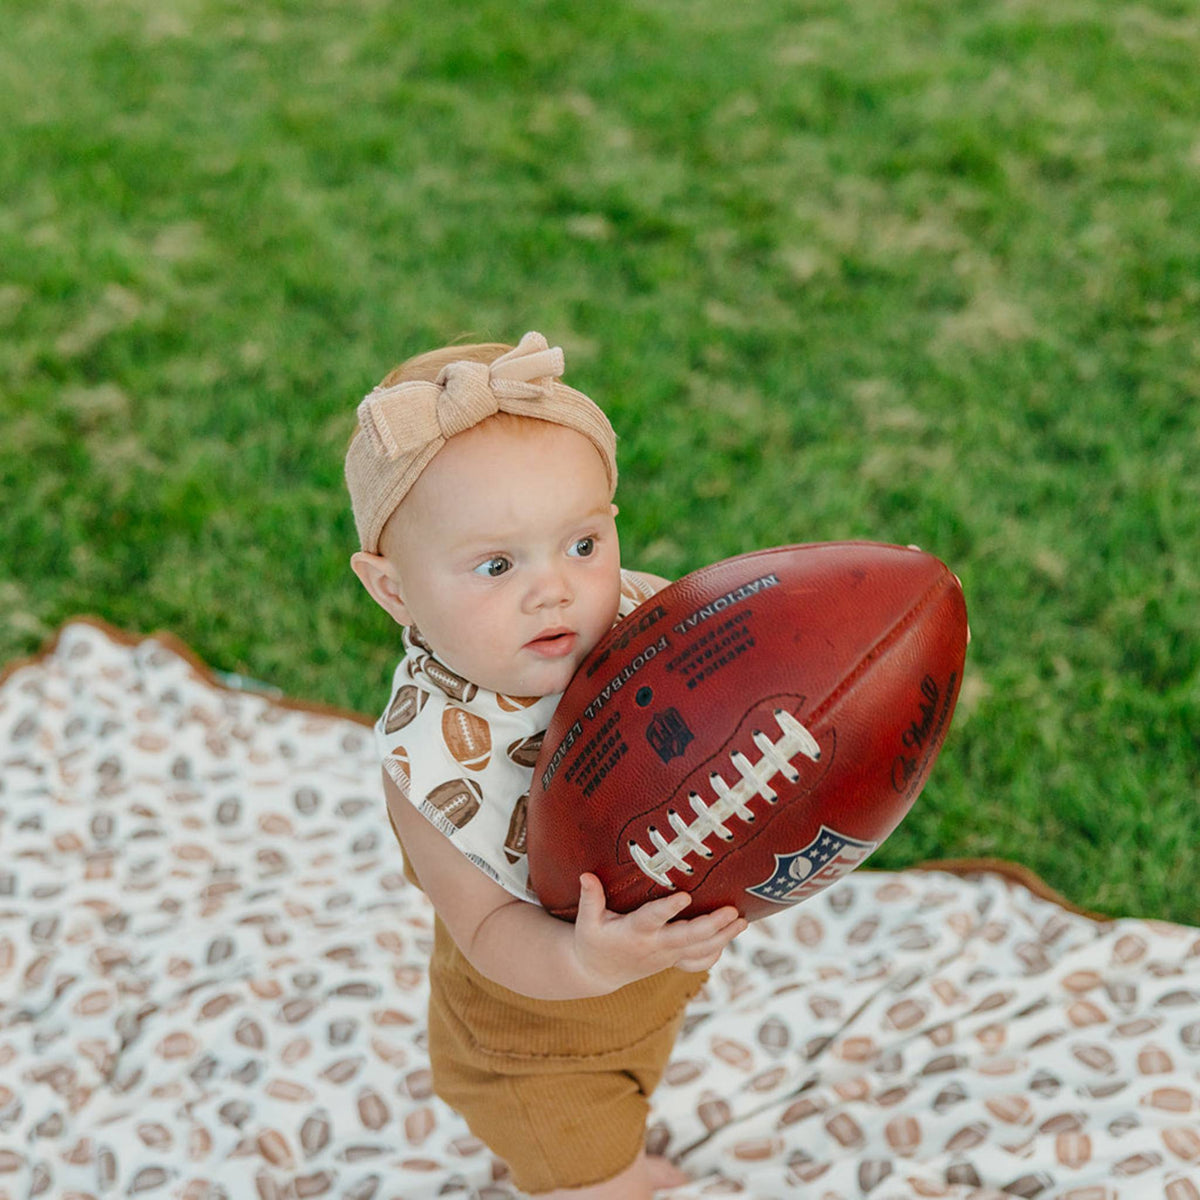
616,948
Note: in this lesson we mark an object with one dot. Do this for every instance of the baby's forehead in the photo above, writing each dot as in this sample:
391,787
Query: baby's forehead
506,452
497,477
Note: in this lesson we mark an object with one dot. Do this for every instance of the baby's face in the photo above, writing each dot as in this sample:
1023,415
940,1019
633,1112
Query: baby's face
507,555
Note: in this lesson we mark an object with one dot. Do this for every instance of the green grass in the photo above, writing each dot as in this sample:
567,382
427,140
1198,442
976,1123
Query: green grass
913,272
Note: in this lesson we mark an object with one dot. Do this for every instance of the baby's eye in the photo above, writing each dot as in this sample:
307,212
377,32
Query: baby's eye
584,548
494,567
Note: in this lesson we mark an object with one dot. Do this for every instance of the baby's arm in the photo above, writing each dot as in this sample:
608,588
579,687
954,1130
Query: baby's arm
523,948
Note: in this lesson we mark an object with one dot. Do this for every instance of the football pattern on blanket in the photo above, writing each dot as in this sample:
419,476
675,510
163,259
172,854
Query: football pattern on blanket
213,986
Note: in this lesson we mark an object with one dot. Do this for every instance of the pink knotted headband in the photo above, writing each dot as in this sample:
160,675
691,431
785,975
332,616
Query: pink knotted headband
402,428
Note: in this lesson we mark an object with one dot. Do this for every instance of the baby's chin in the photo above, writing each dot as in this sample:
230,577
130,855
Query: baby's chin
537,683
540,677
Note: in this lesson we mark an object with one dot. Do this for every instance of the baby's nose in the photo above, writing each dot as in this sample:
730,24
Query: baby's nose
551,588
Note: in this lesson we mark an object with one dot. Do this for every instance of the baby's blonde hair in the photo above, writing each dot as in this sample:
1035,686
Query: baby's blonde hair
426,366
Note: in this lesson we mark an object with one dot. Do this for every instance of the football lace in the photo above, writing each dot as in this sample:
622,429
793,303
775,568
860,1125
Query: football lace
671,854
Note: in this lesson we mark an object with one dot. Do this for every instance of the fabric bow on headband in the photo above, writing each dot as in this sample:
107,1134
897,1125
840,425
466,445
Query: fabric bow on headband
407,416
402,427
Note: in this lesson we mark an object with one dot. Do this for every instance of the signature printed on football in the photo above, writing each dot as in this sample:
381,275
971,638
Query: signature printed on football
924,734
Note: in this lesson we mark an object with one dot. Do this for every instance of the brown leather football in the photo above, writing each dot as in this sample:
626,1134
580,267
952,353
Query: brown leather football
752,732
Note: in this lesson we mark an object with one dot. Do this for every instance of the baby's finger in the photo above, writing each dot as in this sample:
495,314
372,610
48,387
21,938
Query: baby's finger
706,952
592,901
704,938
697,929
699,963
656,913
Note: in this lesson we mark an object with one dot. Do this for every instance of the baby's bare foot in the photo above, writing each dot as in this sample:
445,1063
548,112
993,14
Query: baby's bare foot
662,1173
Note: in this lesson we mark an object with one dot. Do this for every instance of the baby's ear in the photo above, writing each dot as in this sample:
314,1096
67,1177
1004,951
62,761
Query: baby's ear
382,580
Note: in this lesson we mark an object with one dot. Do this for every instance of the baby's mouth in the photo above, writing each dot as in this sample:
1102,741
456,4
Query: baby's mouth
554,643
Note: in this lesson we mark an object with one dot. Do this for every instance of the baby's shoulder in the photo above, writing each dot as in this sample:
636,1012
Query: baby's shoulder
641,585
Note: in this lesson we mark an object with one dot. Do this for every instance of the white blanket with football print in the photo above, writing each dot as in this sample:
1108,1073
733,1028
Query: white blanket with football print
212,985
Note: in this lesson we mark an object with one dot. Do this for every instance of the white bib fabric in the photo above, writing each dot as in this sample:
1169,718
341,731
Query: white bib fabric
464,755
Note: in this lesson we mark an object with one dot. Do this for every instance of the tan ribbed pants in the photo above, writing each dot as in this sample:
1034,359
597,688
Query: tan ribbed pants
557,1088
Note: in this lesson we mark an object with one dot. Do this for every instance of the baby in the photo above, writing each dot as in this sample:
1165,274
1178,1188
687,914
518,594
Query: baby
482,490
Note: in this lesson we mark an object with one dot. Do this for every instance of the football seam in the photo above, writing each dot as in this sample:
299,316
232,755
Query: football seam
878,649
730,800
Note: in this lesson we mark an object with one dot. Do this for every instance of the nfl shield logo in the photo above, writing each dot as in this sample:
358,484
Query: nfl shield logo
803,873
668,734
